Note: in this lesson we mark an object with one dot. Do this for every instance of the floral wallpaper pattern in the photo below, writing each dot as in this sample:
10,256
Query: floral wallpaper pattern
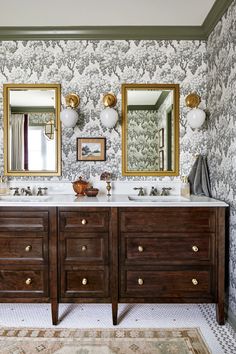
221,84
91,68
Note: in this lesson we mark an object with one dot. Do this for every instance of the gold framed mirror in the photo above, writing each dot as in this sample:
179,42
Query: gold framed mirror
32,130
150,129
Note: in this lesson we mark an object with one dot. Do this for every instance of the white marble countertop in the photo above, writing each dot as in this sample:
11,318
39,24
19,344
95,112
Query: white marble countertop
70,200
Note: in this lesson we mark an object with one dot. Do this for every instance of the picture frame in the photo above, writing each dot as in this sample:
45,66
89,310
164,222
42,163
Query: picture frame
161,160
161,138
91,149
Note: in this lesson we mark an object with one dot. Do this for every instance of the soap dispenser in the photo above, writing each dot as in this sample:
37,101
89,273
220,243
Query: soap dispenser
185,187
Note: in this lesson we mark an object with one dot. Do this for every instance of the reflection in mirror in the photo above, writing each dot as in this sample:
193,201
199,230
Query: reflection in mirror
150,129
32,129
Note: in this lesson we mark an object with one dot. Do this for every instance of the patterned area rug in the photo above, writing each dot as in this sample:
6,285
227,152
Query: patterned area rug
105,341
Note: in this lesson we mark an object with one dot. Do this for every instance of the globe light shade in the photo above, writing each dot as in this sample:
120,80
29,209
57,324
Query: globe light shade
109,117
69,117
196,117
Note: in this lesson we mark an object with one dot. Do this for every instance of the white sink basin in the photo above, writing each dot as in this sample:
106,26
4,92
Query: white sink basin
23,198
158,198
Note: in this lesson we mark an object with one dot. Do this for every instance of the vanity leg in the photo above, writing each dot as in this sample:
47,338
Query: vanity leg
220,313
54,309
114,312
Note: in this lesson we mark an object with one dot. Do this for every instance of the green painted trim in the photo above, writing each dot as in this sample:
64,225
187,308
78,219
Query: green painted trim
32,109
120,32
232,319
140,107
102,33
161,99
215,14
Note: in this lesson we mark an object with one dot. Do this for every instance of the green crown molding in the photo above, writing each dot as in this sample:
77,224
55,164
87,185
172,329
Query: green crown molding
120,32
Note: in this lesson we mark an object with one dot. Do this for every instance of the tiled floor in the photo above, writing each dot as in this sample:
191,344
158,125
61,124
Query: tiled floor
220,339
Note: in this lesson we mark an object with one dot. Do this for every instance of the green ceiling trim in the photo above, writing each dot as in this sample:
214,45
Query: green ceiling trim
215,14
120,32
102,33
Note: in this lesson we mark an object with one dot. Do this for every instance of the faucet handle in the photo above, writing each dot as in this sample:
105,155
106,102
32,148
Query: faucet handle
16,189
141,191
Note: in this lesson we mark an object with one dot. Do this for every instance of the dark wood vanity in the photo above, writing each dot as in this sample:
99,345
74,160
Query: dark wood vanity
113,255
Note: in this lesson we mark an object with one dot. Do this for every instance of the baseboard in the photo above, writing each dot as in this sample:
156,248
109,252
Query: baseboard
232,319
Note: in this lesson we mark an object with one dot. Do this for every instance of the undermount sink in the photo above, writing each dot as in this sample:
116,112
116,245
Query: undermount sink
158,198
24,198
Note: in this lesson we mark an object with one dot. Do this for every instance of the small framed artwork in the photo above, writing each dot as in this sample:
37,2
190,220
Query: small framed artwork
91,149
161,160
161,138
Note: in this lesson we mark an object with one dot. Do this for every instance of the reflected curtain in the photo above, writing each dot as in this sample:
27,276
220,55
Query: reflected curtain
19,142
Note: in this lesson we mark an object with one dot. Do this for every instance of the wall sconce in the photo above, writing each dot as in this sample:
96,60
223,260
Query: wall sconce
109,115
49,129
196,116
69,115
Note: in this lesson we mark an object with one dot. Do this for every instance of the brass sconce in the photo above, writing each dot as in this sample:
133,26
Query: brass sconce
109,115
196,116
69,115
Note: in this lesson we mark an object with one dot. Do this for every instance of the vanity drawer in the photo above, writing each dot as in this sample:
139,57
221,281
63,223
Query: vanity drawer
85,283
168,248
92,248
21,249
23,220
22,283
85,220
167,220
166,283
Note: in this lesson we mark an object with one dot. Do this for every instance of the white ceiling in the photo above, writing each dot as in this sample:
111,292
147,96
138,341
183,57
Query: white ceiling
32,98
104,12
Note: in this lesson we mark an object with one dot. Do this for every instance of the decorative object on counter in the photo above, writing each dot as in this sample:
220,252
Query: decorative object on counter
69,115
91,192
199,177
91,149
80,186
4,189
196,116
109,115
106,176
185,187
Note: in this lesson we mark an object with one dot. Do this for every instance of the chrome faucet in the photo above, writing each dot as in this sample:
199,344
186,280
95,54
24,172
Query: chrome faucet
26,191
141,191
153,192
165,191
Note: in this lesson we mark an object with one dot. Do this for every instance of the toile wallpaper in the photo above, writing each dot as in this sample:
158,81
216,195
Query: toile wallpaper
91,68
221,102
142,141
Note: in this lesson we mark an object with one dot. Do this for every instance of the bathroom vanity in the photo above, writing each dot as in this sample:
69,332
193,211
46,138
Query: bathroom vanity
70,250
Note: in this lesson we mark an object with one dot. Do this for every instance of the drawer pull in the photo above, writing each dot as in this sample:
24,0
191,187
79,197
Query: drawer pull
84,222
84,248
195,248
140,248
140,281
84,281
194,281
28,248
28,281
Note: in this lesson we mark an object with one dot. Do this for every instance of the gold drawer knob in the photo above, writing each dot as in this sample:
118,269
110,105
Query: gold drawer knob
84,248
140,248
195,248
194,281
140,281
84,281
28,248
28,281
84,222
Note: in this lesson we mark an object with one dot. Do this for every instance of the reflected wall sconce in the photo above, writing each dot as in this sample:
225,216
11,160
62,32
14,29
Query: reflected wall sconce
69,116
49,129
196,116
109,115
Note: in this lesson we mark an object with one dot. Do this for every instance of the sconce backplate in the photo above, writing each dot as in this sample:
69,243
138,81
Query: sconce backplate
72,100
109,100
192,100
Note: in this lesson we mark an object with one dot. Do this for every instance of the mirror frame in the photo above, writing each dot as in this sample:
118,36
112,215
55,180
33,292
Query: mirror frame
6,101
175,88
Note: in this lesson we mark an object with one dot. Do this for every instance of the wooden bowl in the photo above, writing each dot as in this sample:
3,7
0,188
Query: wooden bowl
91,192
